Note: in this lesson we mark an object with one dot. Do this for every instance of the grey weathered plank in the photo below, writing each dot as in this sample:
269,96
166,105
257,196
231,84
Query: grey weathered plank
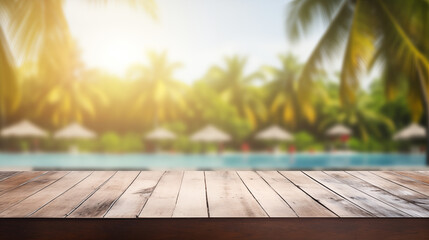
227,196
37,200
134,198
162,202
300,202
16,180
404,181
18,194
270,201
71,199
380,194
192,201
100,202
329,199
393,188
415,175
361,199
6,174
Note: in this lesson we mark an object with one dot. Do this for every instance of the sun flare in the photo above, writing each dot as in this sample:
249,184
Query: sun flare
116,55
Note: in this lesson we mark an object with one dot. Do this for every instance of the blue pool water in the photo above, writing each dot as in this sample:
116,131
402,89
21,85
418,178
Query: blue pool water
214,162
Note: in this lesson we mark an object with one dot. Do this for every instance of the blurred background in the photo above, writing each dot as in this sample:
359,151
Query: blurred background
195,77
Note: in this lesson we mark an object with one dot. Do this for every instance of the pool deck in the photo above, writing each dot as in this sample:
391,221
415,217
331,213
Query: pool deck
236,203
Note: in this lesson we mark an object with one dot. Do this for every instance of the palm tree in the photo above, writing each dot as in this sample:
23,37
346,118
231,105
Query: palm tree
36,30
390,33
283,94
235,87
9,97
159,95
65,92
361,115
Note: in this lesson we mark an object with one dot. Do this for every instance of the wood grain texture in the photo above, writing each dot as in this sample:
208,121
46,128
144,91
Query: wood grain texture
134,198
337,204
6,174
302,204
39,199
415,175
214,194
227,196
163,199
370,204
270,201
17,180
100,202
393,188
192,201
20,193
380,194
404,181
72,198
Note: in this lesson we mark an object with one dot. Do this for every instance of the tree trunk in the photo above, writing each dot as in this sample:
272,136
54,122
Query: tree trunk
424,94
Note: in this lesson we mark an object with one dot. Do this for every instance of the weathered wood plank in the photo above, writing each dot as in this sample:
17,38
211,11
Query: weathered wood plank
361,199
163,199
16,180
270,201
380,194
404,181
20,193
302,204
134,198
227,196
415,175
61,206
39,199
100,202
393,188
192,201
329,199
6,174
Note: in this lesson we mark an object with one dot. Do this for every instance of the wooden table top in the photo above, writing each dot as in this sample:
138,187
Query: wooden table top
213,194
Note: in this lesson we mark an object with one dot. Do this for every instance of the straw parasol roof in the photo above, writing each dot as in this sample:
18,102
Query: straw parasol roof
23,129
338,130
160,134
74,130
210,134
413,131
274,133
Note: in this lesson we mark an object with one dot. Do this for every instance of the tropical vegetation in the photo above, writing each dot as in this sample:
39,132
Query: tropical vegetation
53,90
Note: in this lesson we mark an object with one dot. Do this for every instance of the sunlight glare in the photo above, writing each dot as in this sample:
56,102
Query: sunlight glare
117,54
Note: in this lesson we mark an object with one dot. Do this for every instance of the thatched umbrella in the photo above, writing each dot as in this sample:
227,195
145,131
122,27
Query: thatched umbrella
211,134
75,131
274,133
160,134
24,129
413,131
338,130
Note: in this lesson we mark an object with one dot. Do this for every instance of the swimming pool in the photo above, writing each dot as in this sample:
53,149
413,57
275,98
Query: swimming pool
208,162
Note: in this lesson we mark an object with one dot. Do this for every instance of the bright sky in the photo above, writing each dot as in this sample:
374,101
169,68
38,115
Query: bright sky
194,32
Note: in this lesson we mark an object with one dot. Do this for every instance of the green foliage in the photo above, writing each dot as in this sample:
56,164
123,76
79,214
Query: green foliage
112,142
295,96
304,141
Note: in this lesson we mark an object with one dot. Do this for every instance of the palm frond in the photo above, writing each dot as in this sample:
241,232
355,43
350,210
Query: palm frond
302,14
326,48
